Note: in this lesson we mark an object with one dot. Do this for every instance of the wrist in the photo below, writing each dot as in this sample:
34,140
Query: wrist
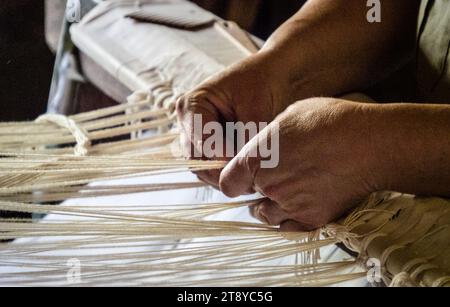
278,74
411,152
272,81
383,157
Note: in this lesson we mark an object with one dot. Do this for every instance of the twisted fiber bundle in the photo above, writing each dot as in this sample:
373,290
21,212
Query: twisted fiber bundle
56,134
408,235
181,245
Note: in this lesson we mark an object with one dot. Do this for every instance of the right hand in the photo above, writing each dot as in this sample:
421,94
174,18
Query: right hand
252,90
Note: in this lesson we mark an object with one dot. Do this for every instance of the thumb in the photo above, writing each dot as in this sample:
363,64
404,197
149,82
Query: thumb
237,178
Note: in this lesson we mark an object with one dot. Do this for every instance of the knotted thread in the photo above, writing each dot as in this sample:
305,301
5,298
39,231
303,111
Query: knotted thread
80,134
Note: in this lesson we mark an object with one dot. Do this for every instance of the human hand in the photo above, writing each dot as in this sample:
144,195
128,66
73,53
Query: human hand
250,91
327,163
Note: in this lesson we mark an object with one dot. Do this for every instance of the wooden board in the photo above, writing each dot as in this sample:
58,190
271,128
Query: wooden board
137,53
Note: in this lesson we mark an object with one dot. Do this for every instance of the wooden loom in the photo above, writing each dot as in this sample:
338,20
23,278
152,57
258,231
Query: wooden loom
57,158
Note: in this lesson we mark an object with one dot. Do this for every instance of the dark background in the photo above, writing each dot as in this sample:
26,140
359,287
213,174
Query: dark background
26,62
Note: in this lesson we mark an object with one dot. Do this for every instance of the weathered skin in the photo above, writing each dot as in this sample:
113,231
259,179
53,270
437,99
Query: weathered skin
333,152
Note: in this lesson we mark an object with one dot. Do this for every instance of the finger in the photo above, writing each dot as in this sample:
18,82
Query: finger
210,177
238,176
250,191
269,212
254,212
210,103
295,226
186,147
193,113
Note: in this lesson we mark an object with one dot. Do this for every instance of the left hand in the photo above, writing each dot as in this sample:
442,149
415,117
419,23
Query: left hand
327,164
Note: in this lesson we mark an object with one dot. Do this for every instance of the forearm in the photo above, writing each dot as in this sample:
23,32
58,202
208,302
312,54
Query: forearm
412,143
329,48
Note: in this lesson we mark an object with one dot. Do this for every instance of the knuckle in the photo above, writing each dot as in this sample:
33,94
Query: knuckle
188,99
262,213
273,191
192,101
263,210
270,192
312,220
